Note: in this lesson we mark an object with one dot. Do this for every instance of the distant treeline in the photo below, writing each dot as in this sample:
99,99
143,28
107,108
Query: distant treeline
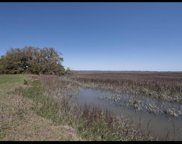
31,60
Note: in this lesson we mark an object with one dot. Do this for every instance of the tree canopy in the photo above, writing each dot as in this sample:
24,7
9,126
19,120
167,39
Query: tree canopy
32,60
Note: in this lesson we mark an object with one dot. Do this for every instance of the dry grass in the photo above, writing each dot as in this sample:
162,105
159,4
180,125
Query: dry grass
18,120
165,86
93,123
41,109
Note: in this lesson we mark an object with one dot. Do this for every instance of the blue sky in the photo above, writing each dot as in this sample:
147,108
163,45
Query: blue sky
98,36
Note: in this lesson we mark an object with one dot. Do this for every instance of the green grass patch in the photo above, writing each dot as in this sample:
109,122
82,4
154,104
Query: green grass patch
8,82
43,105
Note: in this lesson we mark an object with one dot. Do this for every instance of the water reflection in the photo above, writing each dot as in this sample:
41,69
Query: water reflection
157,122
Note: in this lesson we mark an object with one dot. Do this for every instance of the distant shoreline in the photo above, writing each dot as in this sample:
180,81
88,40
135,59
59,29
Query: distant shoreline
105,71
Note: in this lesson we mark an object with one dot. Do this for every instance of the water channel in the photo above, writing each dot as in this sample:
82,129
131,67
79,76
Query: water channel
161,118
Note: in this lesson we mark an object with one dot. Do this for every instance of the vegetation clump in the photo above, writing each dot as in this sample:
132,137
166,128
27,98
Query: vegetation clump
31,60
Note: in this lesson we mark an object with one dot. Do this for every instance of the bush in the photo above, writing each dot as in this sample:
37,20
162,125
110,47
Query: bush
31,60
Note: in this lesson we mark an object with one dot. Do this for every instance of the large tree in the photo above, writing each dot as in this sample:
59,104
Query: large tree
32,60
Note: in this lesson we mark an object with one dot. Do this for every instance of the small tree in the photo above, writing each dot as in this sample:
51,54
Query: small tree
32,60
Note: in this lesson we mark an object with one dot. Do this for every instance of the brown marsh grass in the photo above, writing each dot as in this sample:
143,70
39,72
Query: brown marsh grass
52,97
160,85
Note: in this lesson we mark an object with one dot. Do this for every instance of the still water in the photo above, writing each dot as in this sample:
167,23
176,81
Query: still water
158,123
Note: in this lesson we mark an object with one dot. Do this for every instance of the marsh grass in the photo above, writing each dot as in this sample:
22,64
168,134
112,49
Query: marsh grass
165,86
52,100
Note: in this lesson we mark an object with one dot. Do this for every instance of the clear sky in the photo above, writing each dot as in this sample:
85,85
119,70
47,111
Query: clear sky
98,36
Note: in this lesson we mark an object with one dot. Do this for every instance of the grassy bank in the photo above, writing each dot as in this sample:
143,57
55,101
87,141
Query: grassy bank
19,119
49,114
53,101
7,113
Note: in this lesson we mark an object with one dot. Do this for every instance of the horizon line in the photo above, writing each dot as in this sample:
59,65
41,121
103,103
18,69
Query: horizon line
128,70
